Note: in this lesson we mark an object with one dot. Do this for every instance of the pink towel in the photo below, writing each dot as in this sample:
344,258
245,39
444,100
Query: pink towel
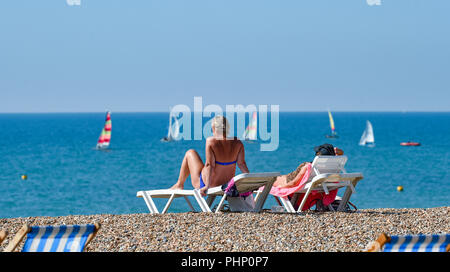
230,187
283,192
230,184
312,198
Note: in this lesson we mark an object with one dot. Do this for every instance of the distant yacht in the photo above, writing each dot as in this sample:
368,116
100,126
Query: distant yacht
333,131
173,130
367,138
105,136
410,143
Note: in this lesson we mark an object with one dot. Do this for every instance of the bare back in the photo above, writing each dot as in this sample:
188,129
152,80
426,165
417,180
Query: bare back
219,152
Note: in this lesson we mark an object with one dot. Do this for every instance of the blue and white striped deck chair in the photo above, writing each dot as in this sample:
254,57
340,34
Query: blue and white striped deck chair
411,243
63,238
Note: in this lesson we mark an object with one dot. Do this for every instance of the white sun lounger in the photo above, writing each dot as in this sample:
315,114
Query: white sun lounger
244,183
328,173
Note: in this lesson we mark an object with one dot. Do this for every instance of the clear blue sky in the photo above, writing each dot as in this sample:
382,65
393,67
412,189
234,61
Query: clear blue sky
151,54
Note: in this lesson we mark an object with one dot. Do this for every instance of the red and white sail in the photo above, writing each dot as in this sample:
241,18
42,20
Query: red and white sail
105,136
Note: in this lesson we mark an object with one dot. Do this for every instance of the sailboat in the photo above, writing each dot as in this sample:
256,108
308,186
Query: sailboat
250,133
333,131
367,138
105,136
173,130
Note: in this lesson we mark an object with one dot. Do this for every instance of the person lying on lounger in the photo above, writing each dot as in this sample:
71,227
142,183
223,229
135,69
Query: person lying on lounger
293,178
222,155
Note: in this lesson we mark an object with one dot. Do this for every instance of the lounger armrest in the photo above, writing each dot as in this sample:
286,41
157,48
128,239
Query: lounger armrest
257,175
18,238
250,182
3,235
165,193
92,235
352,175
337,177
215,191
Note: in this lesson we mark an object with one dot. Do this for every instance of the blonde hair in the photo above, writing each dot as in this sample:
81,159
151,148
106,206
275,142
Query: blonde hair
220,124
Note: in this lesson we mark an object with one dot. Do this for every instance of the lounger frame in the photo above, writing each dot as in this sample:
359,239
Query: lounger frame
3,235
245,182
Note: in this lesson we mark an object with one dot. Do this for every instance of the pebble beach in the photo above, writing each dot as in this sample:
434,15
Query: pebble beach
245,232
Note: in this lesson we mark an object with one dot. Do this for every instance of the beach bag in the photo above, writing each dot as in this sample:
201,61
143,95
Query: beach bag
320,207
241,203
238,202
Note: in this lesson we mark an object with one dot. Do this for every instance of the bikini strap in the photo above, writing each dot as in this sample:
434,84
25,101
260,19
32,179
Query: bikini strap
226,163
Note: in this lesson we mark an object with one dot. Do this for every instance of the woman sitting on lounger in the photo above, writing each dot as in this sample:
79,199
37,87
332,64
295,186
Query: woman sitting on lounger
292,179
222,155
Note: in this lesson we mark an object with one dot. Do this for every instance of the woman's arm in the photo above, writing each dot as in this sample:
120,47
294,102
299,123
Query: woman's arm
210,164
295,181
338,151
285,181
241,160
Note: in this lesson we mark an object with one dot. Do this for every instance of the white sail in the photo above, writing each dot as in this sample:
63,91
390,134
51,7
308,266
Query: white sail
370,137
175,130
362,141
251,130
169,130
367,137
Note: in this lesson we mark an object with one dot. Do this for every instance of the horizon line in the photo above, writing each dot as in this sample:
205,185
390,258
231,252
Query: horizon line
285,111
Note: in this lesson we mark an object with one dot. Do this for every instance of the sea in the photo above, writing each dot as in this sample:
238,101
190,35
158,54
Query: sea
66,175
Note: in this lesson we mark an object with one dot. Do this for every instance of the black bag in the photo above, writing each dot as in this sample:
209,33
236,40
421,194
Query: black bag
320,207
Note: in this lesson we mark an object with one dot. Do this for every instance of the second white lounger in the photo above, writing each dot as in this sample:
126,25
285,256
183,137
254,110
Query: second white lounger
244,183
328,173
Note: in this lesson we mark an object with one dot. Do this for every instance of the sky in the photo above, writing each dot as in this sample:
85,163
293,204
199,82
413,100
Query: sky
149,55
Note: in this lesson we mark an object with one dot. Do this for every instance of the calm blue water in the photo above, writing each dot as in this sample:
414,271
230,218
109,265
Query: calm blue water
67,176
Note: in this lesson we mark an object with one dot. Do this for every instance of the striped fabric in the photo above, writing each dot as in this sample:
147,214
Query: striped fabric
418,243
57,238
105,136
